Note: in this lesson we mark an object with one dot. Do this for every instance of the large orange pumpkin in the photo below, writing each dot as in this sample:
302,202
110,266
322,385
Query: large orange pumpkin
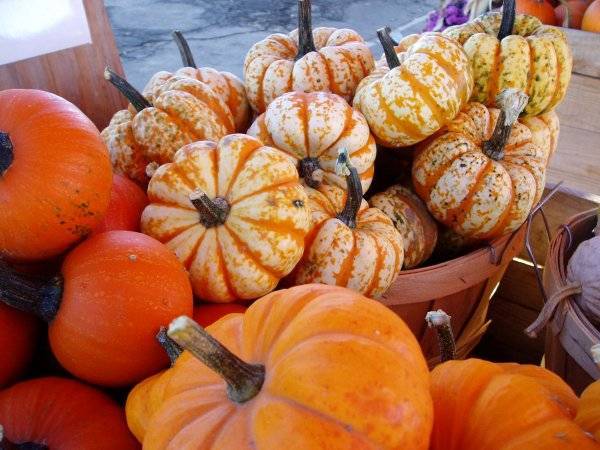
309,367
482,175
421,92
18,333
588,413
234,213
591,18
58,413
306,60
311,128
542,9
55,175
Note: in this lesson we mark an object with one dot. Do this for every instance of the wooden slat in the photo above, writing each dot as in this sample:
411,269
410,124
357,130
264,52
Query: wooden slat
585,47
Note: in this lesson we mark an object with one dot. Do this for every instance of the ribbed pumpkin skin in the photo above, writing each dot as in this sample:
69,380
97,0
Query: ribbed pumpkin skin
185,110
317,125
263,236
332,381
588,413
471,193
342,59
225,84
482,405
367,258
407,104
545,130
63,414
535,59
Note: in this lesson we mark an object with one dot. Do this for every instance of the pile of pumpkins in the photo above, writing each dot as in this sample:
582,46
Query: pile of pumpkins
240,188
579,14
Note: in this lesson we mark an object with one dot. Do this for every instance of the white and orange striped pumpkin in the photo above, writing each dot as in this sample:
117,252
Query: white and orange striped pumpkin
306,60
311,128
350,244
545,129
234,213
424,90
482,175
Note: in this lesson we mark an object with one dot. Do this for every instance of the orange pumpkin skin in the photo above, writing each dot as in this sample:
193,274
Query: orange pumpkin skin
127,201
332,381
120,287
545,129
18,334
591,18
56,189
538,8
206,314
482,405
588,413
63,414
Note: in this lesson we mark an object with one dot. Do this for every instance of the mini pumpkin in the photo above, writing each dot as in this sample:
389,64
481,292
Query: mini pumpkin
545,129
311,128
482,175
350,244
183,110
234,213
325,365
306,60
421,92
529,56
541,9
591,18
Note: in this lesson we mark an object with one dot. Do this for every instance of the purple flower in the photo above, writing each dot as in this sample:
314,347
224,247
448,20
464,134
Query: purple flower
451,14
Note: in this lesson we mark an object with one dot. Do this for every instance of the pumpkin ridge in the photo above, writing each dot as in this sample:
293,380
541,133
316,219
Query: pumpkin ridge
364,149
348,125
447,67
425,95
345,272
279,227
194,252
272,187
303,113
342,51
241,162
378,263
223,267
408,128
220,429
174,233
531,69
332,83
503,219
183,126
556,90
494,81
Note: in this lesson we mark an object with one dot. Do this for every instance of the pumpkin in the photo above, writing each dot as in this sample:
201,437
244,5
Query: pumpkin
544,131
18,335
127,201
54,175
58,413
306,60
350,244
591,18
321,364
421,92
311,128
234,213
569,14
208,313
410,216
482,175
588,413
113,293
183,110
533,57
541,9
225,84
400,47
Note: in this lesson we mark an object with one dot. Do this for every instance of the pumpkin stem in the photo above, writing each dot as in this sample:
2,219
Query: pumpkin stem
354,188
388,30
388,47
30,294
509,13
184,49
441,322
310,170
7,153
138,101
511,102
244,380
171,348
306,43
212,212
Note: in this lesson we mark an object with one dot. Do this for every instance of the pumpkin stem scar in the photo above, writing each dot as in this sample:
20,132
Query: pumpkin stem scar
171,348
310,170
244,380
388,47
306,43
511,103
441,322
7,154
31,294
184,49
138,101
508,19
212,212
354,188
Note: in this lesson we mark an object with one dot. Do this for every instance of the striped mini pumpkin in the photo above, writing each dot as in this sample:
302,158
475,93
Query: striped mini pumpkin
545,129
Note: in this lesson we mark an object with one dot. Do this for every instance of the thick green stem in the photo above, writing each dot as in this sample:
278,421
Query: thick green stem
511,103
244,380
388,47
171,348
354,188
509,13
7,153
212,212
39,296
138,101
184,49
440,321
306,43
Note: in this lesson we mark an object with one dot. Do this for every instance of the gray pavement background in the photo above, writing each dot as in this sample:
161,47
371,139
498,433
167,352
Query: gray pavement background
220,32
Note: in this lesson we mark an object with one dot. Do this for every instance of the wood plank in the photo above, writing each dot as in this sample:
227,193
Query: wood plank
585,47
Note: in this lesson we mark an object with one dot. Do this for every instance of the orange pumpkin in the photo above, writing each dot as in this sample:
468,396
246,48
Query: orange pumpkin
326,366
588,413
206,313
114,291
54,175
306,60
422,91
482,175
234,213
591,18
58,413
311,128
183,110
18,335
350,244
541,9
